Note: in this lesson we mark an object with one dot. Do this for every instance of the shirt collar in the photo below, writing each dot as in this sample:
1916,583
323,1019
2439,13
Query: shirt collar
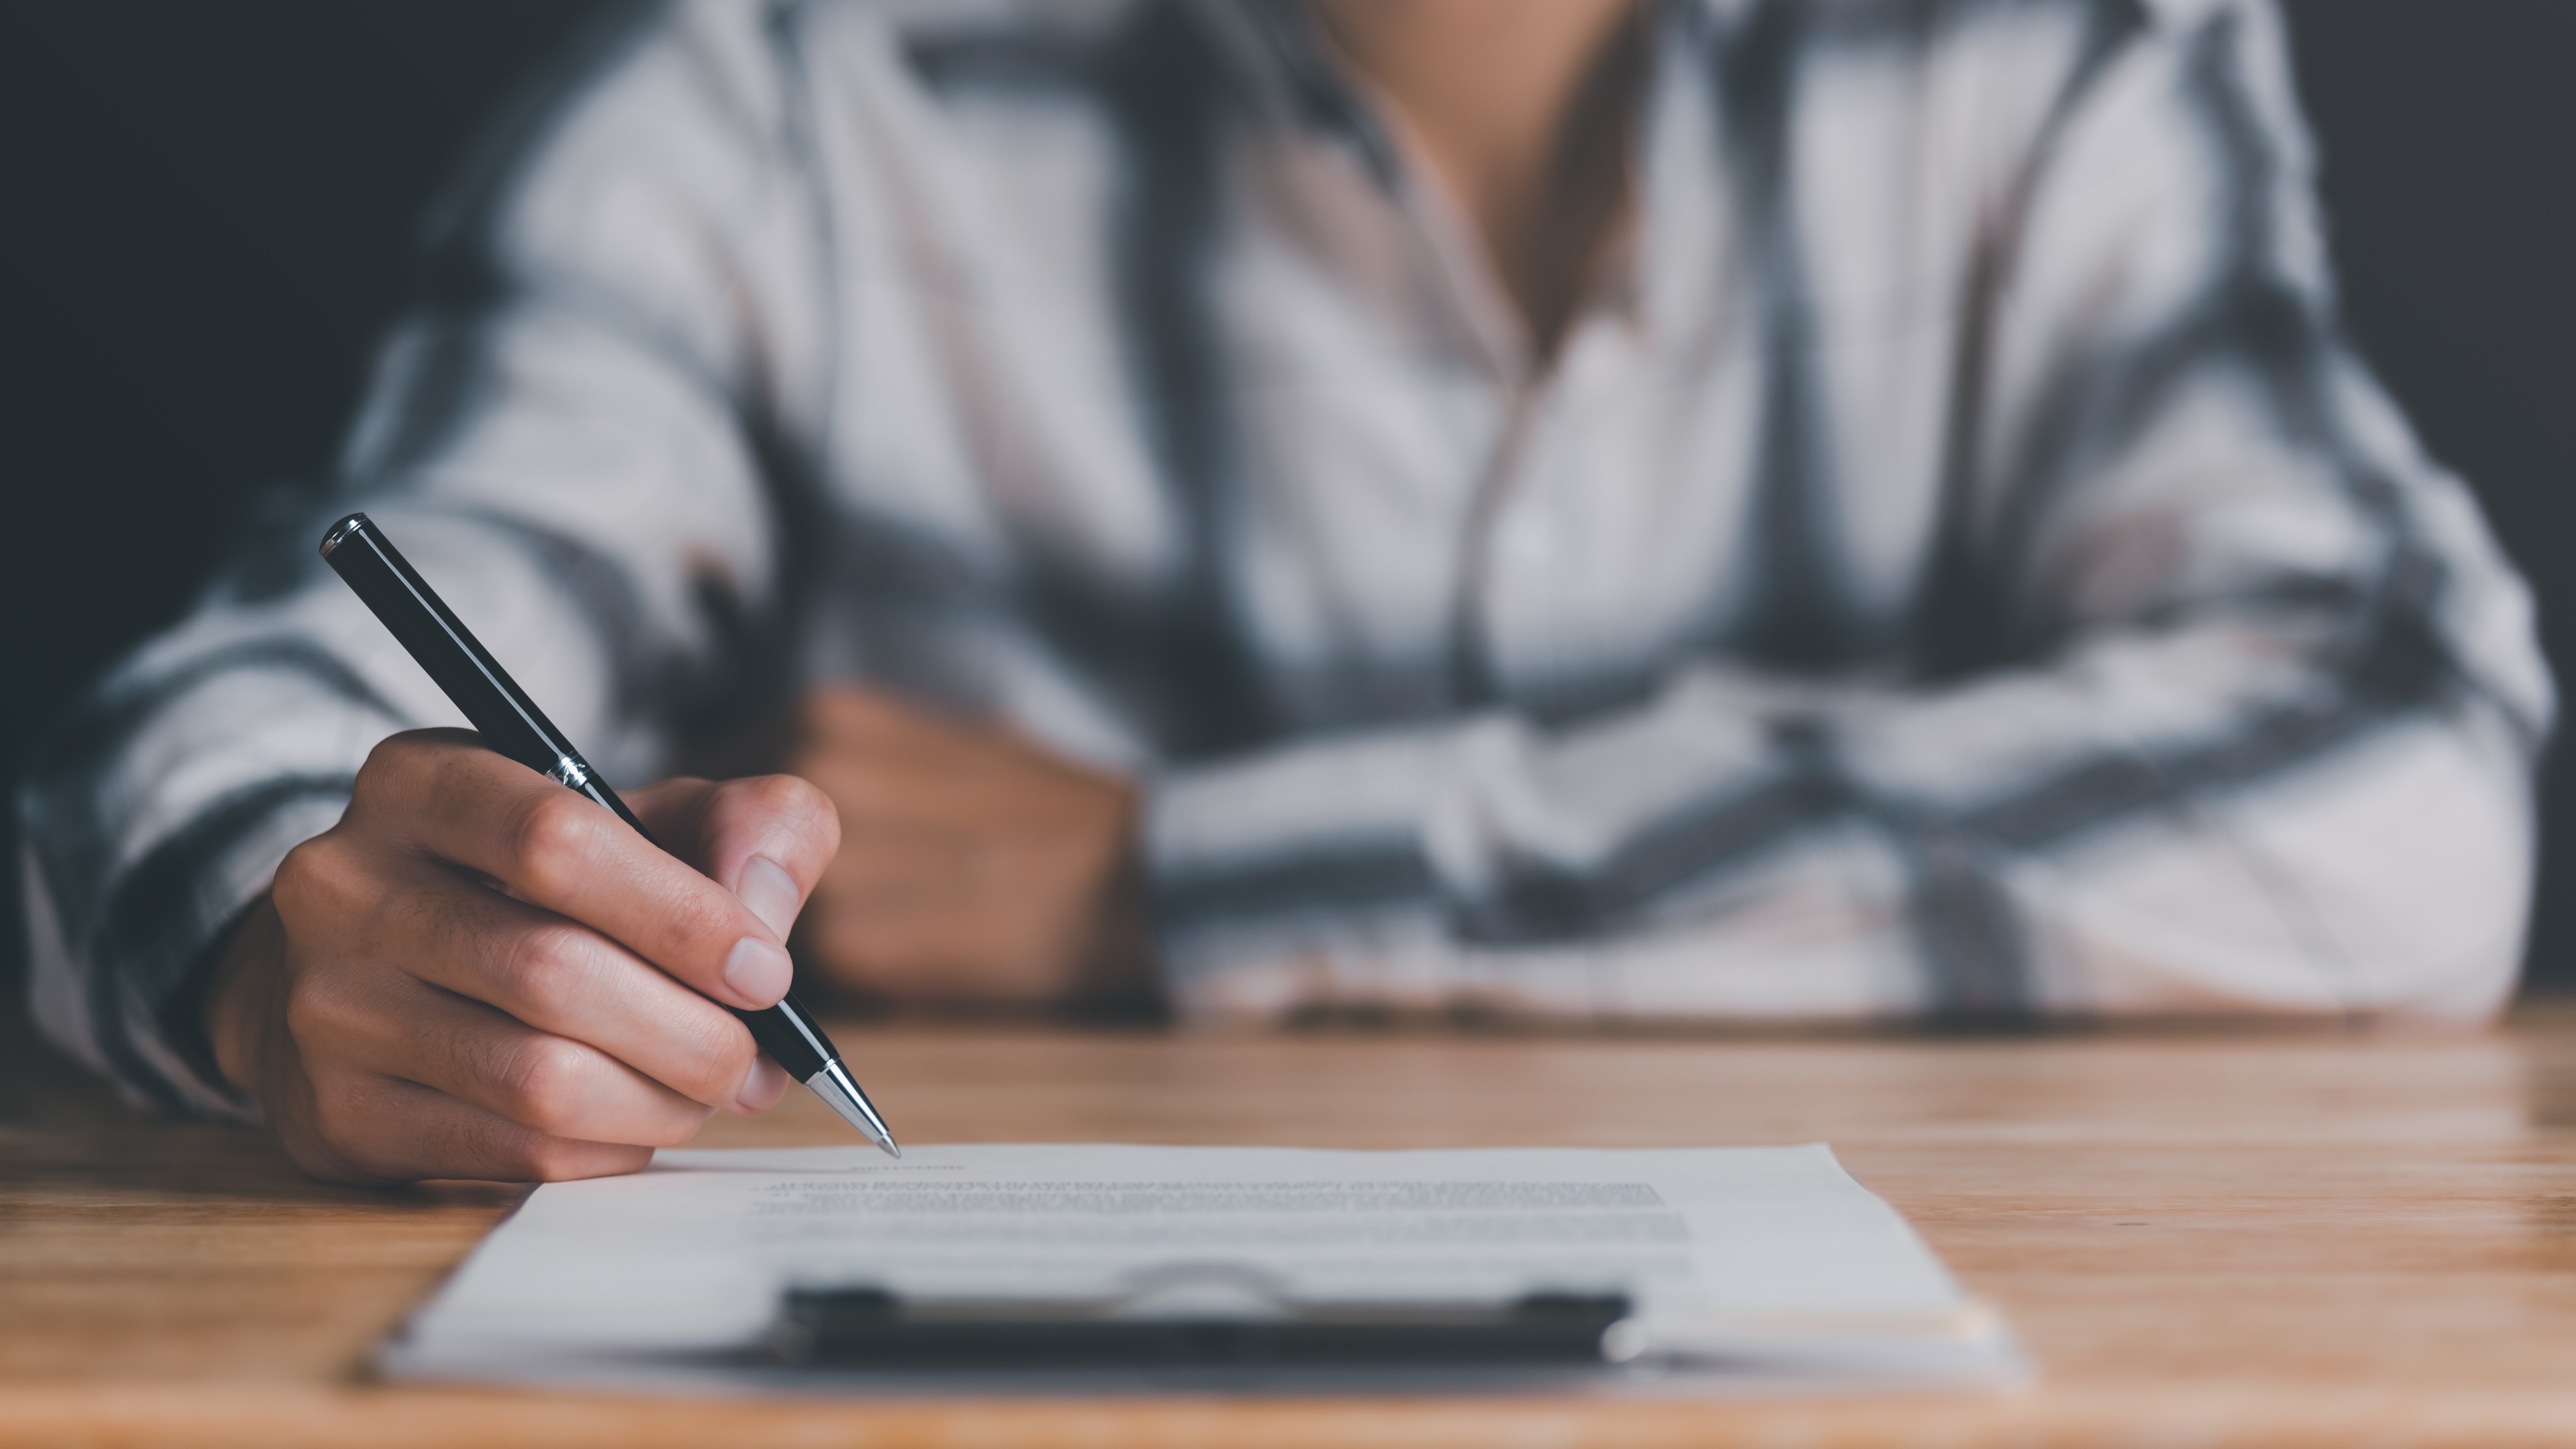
1291,78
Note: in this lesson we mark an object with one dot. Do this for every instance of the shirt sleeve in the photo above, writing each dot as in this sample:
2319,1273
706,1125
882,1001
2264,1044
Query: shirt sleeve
562,436
2230,703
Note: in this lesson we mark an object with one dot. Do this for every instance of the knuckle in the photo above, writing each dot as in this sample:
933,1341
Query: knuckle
540,1081
471,1144
313,877
499,1151
551,835
340,1126
548,967
319,1009
309,1014
396,760
304,865
391,758
717,1053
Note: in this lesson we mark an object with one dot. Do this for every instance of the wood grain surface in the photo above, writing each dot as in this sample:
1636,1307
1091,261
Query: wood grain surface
2328,1238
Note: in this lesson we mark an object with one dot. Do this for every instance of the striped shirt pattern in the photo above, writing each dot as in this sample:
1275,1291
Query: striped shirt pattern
1952,567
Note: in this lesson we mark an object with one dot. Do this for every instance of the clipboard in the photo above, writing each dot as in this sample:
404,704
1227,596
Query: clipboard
872,1327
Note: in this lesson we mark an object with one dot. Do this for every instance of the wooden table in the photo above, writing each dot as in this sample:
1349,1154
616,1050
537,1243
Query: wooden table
2238,1238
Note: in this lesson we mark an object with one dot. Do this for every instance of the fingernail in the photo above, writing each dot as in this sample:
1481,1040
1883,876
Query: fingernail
758,972
770,892
761,1086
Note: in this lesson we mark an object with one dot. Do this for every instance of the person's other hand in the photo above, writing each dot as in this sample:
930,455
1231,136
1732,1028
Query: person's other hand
478,973
976,869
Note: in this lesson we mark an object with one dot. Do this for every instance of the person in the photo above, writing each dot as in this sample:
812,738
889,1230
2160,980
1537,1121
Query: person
1717,508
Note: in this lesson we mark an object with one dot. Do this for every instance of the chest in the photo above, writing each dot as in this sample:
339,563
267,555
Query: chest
1277,392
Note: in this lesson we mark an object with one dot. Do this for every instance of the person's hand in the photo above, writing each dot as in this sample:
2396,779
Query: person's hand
976,870
478,973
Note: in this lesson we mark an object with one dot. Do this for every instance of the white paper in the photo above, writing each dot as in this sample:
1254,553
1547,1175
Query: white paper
1739,1258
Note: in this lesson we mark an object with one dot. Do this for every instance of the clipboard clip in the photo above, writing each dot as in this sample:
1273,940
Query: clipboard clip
1189,1314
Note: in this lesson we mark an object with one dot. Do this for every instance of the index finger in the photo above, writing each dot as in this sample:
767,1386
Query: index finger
556,849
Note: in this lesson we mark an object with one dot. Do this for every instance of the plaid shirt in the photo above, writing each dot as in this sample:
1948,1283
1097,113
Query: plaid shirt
1953,565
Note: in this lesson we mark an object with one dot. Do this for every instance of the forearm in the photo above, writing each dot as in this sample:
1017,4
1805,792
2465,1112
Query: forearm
2207,820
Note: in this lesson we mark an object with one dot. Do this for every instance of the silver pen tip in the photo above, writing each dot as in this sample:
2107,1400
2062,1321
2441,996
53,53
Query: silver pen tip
838,1089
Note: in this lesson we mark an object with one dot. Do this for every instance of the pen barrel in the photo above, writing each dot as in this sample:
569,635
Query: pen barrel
509,721
788,1034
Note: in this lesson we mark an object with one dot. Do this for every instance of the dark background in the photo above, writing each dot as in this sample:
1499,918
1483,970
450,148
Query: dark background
209,208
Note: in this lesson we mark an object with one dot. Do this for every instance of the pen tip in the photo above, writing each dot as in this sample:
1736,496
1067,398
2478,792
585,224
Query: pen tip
834,1086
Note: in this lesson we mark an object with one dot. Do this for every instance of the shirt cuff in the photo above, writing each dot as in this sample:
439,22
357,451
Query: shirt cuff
1249,856
113,1004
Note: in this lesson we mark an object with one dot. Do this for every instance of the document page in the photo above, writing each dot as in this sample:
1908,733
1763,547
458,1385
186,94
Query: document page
1734,1255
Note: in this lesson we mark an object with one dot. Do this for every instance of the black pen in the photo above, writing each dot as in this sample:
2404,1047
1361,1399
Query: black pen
512,725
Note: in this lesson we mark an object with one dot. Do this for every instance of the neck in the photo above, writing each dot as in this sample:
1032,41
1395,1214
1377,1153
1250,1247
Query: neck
1524,110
